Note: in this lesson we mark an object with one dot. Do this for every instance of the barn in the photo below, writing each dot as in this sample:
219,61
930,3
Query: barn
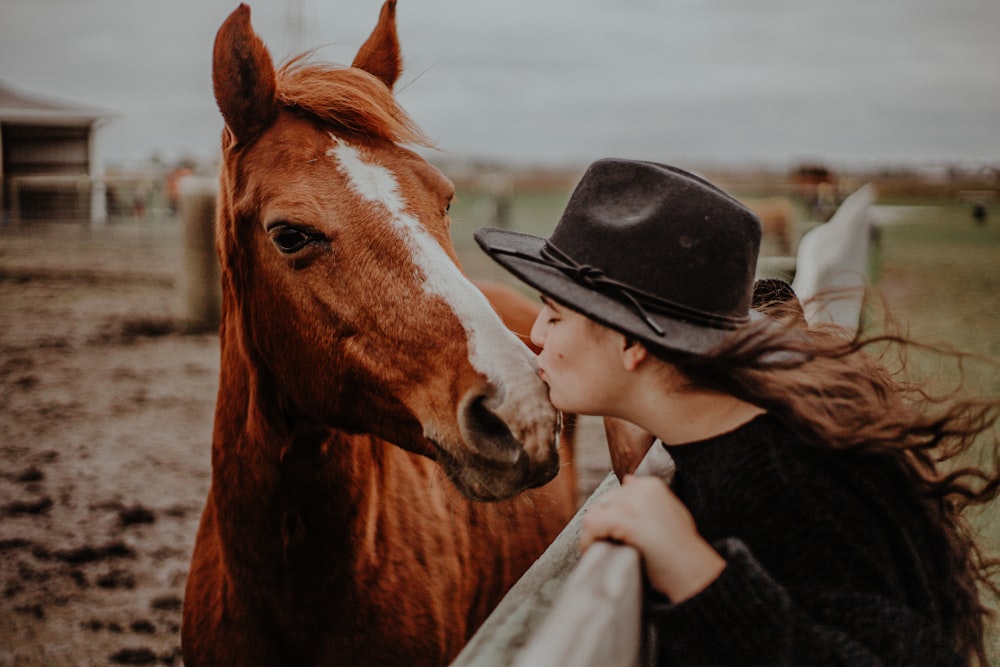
49,168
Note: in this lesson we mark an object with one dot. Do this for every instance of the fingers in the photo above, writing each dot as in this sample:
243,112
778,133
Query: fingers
645,514
595,527
600,523
617,515
642,510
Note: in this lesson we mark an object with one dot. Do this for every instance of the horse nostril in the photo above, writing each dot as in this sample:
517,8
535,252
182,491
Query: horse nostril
486,433
485,422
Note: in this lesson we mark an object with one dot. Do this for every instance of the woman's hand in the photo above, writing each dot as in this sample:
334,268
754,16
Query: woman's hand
645,514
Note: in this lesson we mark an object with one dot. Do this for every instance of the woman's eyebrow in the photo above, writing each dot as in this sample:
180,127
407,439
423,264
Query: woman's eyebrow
548,302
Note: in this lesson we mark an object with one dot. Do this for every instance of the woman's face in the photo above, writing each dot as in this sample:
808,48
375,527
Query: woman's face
580,360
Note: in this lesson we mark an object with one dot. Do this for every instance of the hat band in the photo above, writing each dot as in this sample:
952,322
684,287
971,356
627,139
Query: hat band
642,301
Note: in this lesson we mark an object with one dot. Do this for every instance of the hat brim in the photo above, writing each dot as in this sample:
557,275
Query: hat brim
520,254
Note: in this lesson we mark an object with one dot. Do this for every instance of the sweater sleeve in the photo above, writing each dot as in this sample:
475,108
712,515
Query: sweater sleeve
746,618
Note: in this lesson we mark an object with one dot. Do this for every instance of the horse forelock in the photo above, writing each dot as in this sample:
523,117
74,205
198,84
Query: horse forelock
347,97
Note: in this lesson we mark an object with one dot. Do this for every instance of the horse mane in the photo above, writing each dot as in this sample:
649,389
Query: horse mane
346,97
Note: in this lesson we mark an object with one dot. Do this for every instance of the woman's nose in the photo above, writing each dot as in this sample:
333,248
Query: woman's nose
538,328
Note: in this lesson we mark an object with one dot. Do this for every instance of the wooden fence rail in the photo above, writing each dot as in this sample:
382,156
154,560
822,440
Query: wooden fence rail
525,607
568,610
597,621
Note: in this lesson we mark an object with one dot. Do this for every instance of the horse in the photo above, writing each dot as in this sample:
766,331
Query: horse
385,460
777,219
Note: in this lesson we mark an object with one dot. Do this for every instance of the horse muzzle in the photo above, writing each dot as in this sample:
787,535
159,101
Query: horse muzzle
509,446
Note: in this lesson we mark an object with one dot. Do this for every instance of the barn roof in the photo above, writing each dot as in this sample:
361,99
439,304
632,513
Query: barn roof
17,106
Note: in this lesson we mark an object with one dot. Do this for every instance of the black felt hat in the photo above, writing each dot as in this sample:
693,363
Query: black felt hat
650,250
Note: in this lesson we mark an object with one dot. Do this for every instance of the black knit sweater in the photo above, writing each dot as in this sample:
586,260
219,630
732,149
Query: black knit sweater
828,558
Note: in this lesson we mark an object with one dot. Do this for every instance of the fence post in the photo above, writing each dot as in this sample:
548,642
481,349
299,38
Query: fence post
200,291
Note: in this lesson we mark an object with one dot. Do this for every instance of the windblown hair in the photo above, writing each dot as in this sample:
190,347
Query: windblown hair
346,98
845,397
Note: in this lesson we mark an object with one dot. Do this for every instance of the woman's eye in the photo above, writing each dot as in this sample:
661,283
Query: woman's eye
289,239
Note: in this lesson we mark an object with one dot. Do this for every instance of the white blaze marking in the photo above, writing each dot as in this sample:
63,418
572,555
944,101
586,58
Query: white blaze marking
442,278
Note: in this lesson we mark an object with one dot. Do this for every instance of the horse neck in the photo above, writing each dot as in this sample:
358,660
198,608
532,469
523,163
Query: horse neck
271,472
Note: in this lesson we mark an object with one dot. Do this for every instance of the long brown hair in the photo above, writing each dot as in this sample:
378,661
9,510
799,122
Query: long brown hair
849,391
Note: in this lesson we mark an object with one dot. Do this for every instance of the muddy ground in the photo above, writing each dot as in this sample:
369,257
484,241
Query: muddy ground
105,426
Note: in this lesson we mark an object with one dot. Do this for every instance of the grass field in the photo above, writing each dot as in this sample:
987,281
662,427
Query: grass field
940,275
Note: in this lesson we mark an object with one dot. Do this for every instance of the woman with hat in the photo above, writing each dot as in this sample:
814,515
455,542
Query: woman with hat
809,520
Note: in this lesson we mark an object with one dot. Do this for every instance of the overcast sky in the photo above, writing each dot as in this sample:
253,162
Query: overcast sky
562,81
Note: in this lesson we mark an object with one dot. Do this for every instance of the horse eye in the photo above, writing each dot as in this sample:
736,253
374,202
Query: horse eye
289,239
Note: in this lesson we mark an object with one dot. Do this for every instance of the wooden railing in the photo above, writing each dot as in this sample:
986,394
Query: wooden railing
568,610
597,621
526,606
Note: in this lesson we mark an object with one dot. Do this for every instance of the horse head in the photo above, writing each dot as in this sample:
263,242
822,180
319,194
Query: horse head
340,283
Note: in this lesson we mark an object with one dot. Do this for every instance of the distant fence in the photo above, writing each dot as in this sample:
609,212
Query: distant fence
587,612
51,198
38,198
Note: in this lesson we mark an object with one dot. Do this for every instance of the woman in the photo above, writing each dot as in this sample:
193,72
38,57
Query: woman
809,521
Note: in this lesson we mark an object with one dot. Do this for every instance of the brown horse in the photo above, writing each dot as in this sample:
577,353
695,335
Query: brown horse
369,395
777,220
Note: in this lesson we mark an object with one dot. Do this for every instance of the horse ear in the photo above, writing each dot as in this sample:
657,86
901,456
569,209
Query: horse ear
379,55
243,77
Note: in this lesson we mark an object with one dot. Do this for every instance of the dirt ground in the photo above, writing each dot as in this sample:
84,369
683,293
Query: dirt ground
105,427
